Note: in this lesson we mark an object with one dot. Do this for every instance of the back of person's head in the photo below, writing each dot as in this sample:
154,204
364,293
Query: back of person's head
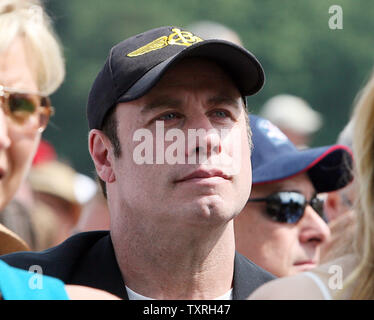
95,214
66,192
363,146
289,112
214,30
339,209
28,20
338,203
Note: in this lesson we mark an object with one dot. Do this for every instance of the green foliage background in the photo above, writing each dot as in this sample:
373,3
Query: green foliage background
291,38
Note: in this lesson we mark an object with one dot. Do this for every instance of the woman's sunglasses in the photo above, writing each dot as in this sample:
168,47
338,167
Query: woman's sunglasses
289,206
20,107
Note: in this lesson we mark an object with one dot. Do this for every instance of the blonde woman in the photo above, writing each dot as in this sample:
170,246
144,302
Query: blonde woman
31,68
352,275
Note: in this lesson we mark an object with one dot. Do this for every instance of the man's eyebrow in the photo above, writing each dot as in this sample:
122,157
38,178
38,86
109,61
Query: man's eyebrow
169,102
161,102
224,99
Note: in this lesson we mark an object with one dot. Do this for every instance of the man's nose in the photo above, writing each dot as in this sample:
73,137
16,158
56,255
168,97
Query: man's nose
4,137
314,229
203,139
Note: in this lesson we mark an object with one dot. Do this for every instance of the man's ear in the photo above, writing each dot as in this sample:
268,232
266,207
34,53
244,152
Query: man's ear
101,153
332,205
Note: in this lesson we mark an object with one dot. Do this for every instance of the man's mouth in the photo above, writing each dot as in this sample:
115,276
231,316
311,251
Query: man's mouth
201,174
306,264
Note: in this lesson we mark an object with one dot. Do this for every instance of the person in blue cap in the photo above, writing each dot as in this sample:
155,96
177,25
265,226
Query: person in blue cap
350,276
282,226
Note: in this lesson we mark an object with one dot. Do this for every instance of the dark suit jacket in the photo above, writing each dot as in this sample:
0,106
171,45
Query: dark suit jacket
88,259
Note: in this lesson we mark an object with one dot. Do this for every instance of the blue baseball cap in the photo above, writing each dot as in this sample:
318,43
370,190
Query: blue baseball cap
275,158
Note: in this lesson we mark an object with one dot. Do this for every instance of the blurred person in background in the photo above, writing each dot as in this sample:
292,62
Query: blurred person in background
95,214
339,208
282,226
61,192
214,30
352,275
341,201
294,117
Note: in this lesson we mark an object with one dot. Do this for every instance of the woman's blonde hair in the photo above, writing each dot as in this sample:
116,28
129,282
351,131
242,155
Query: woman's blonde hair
27,19
361,280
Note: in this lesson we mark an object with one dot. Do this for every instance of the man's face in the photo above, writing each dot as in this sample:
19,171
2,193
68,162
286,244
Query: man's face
281,248
194,94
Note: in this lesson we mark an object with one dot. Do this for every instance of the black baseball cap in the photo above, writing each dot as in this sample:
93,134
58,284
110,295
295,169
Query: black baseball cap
275,158
136,64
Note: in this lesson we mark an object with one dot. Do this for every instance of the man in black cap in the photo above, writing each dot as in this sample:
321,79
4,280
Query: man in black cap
282,227
171,234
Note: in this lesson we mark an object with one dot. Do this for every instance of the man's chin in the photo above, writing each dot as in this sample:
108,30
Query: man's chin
208,210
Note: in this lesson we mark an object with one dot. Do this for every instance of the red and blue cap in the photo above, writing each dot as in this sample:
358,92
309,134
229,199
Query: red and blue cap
275,158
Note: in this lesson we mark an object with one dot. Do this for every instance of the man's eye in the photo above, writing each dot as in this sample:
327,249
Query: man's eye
168,116
221,114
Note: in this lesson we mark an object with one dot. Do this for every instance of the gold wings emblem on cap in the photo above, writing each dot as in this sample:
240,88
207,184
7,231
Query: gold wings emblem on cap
154,45
178,37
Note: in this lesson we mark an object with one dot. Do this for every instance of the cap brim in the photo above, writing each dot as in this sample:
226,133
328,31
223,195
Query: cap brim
243,67
329,168
11,242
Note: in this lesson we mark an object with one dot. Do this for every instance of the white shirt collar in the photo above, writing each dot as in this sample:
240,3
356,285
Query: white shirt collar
136,296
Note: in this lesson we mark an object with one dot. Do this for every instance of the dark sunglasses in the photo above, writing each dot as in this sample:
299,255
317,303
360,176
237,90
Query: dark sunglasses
289,206
21,106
